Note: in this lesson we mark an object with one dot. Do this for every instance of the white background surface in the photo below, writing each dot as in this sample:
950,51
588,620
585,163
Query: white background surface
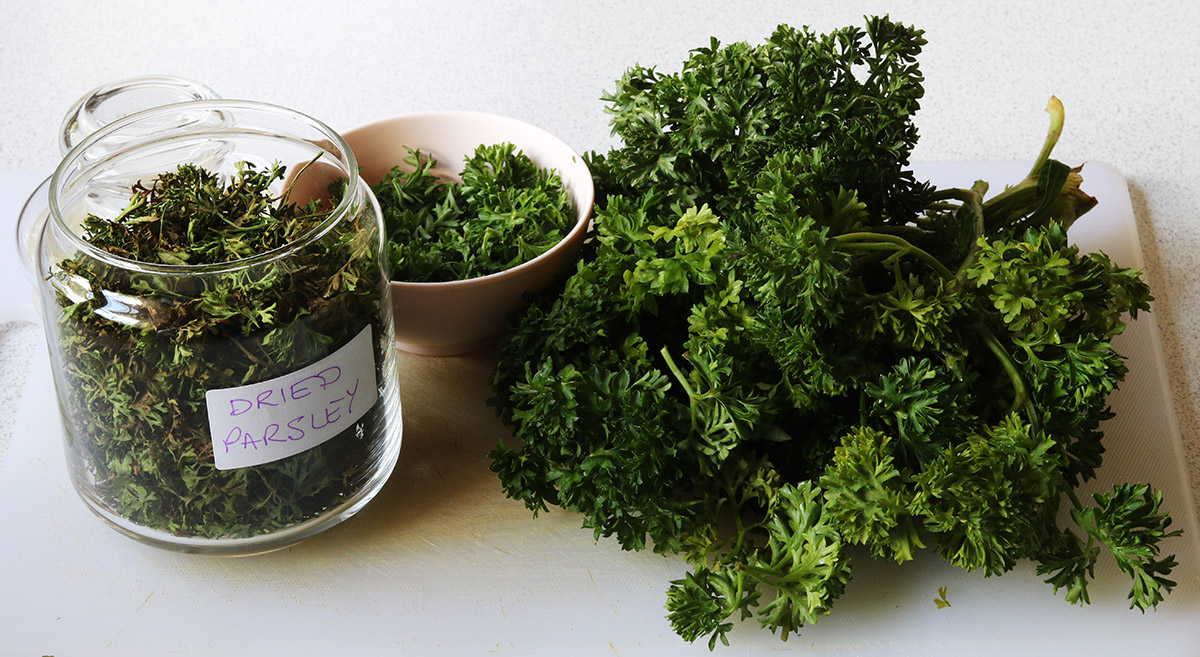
1128,73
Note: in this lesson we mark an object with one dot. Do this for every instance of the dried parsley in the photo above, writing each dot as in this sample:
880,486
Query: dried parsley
140,346
506,211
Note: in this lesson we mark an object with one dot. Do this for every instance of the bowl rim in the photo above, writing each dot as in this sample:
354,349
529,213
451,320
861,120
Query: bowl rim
583,217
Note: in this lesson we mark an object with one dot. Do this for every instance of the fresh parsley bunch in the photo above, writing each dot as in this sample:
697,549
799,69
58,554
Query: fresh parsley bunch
780,344
506,211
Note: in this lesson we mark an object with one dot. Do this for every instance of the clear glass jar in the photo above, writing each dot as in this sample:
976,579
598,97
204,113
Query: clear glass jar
94,110
233,407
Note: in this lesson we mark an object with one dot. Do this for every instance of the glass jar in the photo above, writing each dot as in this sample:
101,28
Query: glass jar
94,110
230,407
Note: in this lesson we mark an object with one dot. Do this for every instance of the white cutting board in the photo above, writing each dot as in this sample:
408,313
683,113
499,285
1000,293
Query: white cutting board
442,563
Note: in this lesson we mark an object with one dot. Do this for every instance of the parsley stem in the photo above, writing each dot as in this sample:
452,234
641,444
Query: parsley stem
135,203
969,197
1011,204
1057,116
291,184
677,372
1078,505
899,230
1021,398
682,382
973,199
871,241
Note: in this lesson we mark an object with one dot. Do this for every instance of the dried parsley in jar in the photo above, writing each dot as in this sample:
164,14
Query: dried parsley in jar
219,320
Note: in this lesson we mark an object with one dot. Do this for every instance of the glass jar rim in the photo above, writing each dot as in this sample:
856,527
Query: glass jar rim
82,114
345,156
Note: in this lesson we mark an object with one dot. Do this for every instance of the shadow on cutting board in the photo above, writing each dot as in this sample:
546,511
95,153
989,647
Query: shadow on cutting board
443,470
1165,307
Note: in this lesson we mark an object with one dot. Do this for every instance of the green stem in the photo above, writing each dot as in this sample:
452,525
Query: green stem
1075,500
973,198
1021,198
677,372
682,382
871,241
1021,400
1057,116
741,528
136,202
1012,203
296,178
899,230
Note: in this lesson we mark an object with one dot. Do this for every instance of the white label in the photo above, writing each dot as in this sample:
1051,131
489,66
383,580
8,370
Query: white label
275,419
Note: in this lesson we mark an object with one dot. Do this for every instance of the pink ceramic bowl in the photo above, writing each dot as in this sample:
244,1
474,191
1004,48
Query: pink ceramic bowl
458,317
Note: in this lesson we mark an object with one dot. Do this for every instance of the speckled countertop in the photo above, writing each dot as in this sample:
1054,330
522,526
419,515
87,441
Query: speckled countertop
1128,73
